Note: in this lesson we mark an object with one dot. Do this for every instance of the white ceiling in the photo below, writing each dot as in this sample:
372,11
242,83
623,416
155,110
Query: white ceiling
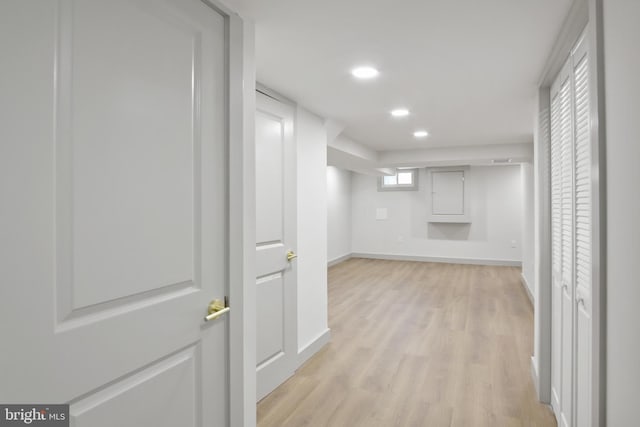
467,69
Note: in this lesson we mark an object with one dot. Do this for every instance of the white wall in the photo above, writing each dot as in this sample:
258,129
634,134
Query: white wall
243,371
496,214
541,360
311,147
338,213
528,268
622,107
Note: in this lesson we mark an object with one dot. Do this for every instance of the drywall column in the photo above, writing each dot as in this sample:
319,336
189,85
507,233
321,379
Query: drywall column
528,271
339,213
311,140
541,360
242,245
622,109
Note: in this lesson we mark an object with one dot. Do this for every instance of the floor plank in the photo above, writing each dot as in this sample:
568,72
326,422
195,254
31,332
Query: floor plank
417,344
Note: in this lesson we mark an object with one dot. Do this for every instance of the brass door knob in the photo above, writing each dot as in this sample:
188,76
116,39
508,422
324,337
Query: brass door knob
216,309
291,255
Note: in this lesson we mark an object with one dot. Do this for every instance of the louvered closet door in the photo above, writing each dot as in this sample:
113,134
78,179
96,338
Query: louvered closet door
582,227
562,245
571,228
566,158
556,252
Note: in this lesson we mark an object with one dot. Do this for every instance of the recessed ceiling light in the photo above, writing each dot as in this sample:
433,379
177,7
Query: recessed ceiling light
364,72
421,134
400,112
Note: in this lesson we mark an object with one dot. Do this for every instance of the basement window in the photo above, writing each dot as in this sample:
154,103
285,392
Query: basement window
403,180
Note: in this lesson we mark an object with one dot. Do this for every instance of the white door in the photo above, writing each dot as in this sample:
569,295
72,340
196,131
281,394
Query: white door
114,210
583,240
276,349
562,246
567,273
572,252
556,253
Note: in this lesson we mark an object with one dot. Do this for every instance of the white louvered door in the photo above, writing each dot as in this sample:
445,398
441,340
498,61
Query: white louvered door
582,227
562,244
556,253
571,189
566,160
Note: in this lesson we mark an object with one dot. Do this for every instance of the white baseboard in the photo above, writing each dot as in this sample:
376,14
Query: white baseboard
534,375
555,405
525,285
313,347
339,259
536,384
498,262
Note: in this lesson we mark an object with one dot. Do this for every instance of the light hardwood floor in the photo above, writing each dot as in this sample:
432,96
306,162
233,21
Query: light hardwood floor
417,344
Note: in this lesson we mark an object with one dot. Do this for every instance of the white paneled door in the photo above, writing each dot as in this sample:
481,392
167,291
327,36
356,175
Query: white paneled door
114,210
276,349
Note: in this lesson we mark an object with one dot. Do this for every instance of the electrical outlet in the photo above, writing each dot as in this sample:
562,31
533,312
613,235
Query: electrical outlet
513,244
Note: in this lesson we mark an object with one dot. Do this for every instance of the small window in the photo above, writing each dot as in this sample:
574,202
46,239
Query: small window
404,179
390,180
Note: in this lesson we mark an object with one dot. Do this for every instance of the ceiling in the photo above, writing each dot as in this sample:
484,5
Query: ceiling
466,69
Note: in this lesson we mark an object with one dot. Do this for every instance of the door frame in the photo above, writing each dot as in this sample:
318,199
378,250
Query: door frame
583,14
240,104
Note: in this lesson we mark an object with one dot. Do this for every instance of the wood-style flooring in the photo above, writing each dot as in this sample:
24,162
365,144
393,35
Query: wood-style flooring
417,344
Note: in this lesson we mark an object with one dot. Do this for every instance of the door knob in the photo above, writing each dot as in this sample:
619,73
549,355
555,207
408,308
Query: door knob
216,309
291,255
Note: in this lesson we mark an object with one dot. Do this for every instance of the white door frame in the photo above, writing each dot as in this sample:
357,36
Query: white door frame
241,197
583,13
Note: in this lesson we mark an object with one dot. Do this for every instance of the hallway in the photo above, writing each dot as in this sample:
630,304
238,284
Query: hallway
417,344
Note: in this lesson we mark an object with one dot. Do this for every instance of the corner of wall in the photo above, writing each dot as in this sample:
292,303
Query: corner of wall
527,288
339,227
312,347
311,153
